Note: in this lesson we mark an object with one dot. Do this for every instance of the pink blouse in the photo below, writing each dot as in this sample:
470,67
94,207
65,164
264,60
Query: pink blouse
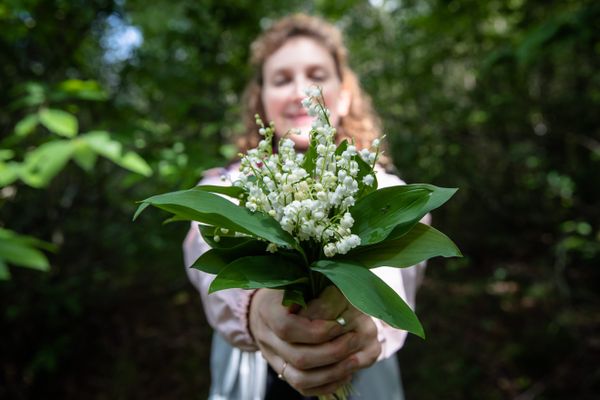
227,310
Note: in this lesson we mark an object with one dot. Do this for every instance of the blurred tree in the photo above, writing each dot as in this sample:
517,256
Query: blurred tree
498,98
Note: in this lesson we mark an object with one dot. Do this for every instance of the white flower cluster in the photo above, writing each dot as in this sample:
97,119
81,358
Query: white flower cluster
310,198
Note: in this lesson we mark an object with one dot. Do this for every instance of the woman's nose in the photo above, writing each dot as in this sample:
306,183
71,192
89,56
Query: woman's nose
300,85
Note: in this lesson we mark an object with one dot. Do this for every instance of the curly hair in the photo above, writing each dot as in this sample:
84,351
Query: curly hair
361,123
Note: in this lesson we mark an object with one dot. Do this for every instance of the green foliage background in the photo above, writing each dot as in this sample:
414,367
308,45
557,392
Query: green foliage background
498,98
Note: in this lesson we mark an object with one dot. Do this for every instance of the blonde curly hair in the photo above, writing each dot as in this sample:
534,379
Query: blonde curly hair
361,123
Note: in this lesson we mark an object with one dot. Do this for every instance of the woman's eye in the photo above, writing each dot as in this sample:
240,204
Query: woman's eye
280,80
319,76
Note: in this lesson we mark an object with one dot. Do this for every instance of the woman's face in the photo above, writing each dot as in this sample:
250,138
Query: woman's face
300,63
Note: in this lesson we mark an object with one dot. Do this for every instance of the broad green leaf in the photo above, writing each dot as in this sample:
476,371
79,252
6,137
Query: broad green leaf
421,243
439,196
310,157
4,271
257,272
102,144
231,191
9,172
363,170
341,147
58,121
84,156
23,255
379,212
6,154
87,90
226,240
133,162
293,296
25,126
43,163
211,209
214,260
367,292
6,234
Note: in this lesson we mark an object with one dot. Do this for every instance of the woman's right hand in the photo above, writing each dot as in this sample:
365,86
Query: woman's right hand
320,354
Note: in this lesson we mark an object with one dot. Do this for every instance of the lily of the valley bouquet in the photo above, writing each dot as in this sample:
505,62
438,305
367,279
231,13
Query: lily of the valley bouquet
304,221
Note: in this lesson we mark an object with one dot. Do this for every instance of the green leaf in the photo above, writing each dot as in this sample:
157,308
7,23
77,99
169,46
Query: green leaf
58,121
4,271
379,212
87,90
212,209
9,172
367,292
257,272
421,243
102,144
25,126
293,296
310,157
439,196
226,240
363,170
6,154
214,260
133,162
6,234
45,162
231,191
84,156
341,147
23,255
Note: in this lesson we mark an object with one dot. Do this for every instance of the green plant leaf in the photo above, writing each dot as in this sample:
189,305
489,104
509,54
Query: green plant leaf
310,157
25,126
421,243
439,195
4,271
367,292
16,252
43,163
209,208
101,143
87,90
257,272
226,241
9,172
58,121
214,260
231,191
293,296
133,162
379,212
84,156
363,170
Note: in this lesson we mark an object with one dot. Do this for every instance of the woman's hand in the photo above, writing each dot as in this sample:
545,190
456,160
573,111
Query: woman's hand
319,354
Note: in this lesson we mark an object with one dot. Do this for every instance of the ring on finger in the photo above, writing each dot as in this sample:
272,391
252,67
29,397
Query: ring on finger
280,375
341,320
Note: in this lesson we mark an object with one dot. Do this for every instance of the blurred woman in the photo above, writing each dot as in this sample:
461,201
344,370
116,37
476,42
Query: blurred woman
312,352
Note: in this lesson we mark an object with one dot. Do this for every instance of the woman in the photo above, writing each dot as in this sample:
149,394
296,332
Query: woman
314,351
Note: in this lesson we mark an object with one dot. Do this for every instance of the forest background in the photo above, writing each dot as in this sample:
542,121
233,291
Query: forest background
106,102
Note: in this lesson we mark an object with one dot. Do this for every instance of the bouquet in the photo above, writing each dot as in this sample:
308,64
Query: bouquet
304,221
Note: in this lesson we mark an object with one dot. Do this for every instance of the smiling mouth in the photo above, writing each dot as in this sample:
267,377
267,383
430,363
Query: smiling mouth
300,118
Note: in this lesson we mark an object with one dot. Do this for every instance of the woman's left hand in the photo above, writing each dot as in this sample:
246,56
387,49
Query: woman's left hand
332,305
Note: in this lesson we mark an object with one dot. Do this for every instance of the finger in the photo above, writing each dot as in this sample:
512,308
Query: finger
294,328
304,380
328,388
368,354
330,303
305,357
